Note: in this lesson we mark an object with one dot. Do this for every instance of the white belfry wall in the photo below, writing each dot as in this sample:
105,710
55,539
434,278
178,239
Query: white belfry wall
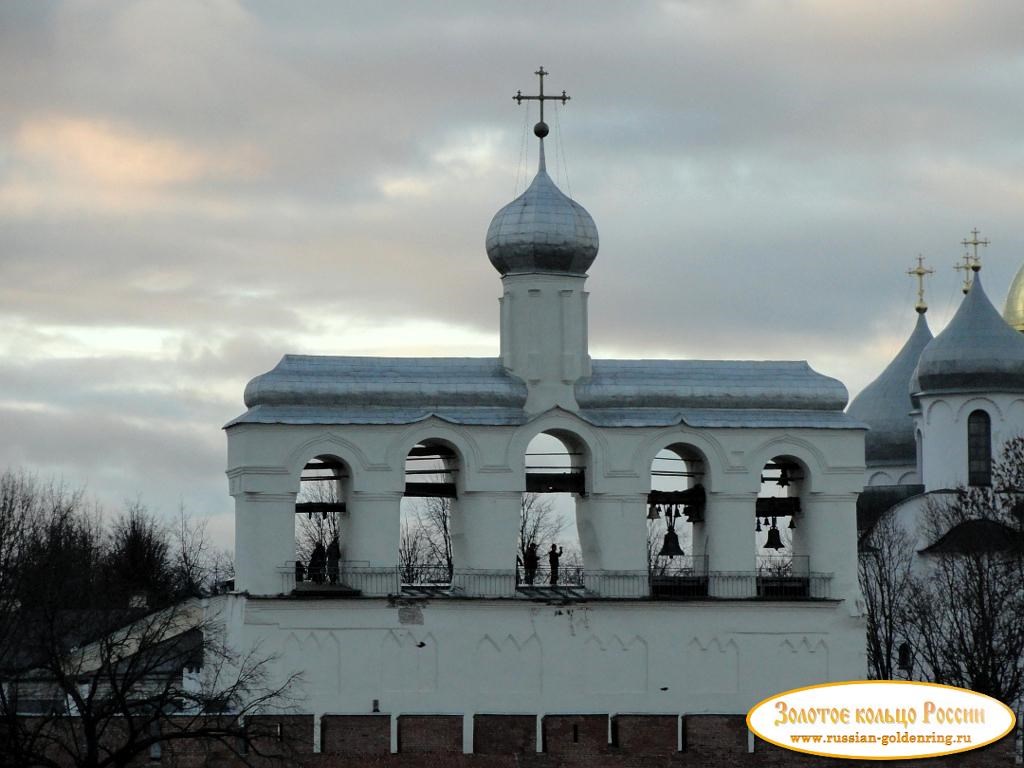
942,420
266,462
544,336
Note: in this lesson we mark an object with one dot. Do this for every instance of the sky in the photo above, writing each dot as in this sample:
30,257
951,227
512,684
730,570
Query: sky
190,190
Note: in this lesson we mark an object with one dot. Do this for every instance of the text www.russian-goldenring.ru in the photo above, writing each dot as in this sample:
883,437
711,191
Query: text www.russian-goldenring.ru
904,737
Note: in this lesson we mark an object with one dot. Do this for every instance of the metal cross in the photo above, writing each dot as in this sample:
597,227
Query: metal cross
975,242
966,268
920,271
540,97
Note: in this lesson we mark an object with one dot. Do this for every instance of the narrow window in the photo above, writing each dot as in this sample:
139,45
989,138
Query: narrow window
979,449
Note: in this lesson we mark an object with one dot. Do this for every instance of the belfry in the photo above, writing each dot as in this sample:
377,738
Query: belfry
709,623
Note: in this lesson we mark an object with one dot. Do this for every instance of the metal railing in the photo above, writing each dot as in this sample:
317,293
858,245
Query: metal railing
776,578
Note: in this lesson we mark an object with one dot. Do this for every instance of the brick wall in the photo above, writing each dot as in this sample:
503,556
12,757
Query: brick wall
355,734
575,734
507,741
504,734
430,733
646,734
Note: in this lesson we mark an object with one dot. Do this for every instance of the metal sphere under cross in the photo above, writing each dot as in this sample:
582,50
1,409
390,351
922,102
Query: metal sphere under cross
920,271
541,128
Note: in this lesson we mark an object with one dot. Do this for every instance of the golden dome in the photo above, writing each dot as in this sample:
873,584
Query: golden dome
1014,311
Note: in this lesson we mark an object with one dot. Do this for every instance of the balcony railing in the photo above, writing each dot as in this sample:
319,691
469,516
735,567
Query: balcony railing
776,578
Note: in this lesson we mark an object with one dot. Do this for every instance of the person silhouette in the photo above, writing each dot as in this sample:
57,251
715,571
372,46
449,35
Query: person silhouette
530,562
317,561
553,555
333,557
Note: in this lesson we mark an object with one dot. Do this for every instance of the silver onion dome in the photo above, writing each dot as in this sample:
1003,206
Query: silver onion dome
542,230
976,351
885,406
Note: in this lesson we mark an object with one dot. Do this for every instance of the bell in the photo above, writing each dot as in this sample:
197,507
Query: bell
792,522
783,480
757,527
774,540
652,512
670,547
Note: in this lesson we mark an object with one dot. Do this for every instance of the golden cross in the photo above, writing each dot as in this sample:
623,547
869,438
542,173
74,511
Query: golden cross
975,266
519,98
966,268
920,271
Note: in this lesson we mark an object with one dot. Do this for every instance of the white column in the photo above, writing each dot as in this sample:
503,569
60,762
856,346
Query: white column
729,524
264,543
829,525
485,528
370,554
617,527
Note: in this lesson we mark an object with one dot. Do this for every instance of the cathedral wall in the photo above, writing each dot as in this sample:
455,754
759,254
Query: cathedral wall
943,423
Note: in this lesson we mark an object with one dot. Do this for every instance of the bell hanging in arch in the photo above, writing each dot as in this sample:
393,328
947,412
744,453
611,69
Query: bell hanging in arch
757,528
774,540
670,547
652,512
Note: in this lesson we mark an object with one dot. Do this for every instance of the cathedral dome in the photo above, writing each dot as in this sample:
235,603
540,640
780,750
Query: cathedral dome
1013,314
885,406
542,230
976,351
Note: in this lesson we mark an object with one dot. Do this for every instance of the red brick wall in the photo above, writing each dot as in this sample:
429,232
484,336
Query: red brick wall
712,741
575,734
504,734
646,734
355,734
718,736
430,733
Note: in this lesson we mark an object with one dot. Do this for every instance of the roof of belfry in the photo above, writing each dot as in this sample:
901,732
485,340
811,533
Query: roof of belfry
304,389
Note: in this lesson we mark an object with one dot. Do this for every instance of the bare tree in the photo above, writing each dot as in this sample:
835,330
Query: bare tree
165,678
884,568
967,615
317,527
104,681
539,523
411,551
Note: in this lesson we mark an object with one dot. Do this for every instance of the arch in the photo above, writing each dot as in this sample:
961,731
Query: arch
880,478
802,452
934,411
466,450
574,433
908,478
703,444
980,403
327,444
979,448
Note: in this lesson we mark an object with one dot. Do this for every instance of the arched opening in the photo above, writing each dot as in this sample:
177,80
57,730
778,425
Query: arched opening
783,562
429,535
979,448
676,536
551,550
320,523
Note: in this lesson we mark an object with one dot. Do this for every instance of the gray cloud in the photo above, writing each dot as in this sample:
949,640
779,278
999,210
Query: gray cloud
241,180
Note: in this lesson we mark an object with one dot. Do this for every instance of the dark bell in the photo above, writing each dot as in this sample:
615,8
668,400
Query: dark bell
670,547
774,540
540,130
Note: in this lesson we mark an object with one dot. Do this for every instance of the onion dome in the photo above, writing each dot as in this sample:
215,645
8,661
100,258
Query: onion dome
885,406
1013,314
542,230
976,351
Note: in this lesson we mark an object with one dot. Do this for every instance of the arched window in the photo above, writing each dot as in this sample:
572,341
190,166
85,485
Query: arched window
979,449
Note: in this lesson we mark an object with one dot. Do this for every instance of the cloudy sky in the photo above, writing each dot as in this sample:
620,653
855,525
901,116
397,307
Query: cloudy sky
188,190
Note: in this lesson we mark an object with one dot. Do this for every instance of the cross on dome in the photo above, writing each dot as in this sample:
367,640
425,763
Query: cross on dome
540,130
920,271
